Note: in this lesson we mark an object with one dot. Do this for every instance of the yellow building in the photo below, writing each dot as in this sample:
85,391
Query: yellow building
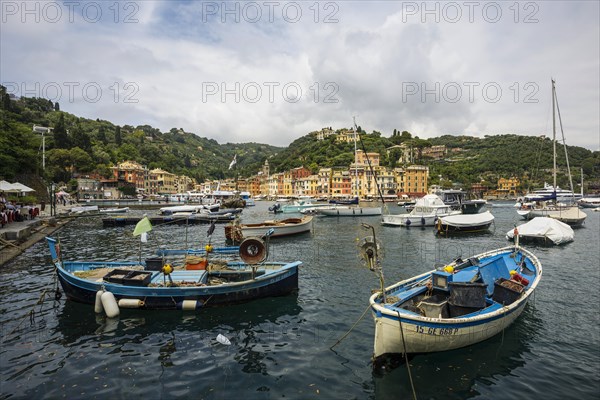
508,187
347,136
165,181
324,184
184,183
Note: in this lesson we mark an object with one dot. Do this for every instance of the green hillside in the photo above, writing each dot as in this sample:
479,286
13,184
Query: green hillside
80,145
84,145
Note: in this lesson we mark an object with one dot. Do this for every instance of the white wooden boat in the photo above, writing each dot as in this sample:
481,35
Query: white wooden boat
284,227
464,303
464,223
426,212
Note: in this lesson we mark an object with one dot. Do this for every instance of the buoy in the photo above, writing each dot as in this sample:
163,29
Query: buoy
98,308
111,308
408,222
449,269
189,305
422,220
167,269
131,303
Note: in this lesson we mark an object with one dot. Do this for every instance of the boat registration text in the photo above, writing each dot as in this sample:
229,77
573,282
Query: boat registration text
436,331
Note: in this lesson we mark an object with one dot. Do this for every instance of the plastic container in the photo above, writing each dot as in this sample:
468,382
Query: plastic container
154,263
137,278
197,266
458,311
434,309
467,294
506,291
116,275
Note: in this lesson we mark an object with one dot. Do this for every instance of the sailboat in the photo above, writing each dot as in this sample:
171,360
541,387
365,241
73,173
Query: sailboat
350,209
569,214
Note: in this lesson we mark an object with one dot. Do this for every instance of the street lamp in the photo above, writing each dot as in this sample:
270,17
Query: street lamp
42,130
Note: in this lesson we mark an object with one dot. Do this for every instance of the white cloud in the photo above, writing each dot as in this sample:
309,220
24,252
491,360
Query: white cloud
370,57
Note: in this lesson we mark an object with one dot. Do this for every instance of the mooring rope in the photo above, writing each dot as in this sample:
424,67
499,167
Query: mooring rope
412,385
353,326
31,313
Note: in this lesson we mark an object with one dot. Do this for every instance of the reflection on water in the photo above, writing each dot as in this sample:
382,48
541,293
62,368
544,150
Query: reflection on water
280,347
462,372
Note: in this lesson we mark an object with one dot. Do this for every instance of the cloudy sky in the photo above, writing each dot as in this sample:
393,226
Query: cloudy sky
272,71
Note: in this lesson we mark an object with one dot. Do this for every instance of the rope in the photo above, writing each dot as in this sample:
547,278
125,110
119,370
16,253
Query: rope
31,313
412,385
353,326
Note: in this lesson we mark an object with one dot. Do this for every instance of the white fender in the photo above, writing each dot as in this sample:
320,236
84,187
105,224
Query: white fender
111,308
131,303
98,308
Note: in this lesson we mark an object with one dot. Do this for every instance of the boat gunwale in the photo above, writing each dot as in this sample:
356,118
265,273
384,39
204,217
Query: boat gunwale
406,316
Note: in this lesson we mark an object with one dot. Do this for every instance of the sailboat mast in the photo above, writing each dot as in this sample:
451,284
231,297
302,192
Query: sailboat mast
355,160
581,182
554,137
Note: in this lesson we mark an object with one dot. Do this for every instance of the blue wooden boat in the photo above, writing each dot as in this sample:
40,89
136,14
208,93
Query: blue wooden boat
457,305
133,285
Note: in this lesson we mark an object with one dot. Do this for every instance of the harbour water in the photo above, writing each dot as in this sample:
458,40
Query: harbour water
280,347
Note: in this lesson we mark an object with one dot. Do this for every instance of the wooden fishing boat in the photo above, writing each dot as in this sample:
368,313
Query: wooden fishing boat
131,284
464,223
284,227
455,306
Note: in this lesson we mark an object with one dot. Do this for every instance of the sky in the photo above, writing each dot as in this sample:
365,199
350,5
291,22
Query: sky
272,71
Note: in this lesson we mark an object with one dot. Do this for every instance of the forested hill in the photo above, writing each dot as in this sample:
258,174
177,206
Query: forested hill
468,159
84,146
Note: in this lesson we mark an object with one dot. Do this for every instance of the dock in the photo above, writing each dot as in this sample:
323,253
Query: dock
177,220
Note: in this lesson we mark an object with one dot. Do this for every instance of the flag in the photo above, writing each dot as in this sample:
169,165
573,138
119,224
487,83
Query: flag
142,226
233,162
211,228
144,237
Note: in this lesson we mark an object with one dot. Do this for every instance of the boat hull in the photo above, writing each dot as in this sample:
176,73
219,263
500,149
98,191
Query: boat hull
465,223
171,298
286,227
399,329
344,211
411,220
430,336
447,228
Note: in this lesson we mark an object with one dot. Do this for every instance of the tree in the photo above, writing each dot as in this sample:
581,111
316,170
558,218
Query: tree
118,138
61,137
81,139
102,135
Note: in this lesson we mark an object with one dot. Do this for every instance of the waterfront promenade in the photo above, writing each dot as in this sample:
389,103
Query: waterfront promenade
18,236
